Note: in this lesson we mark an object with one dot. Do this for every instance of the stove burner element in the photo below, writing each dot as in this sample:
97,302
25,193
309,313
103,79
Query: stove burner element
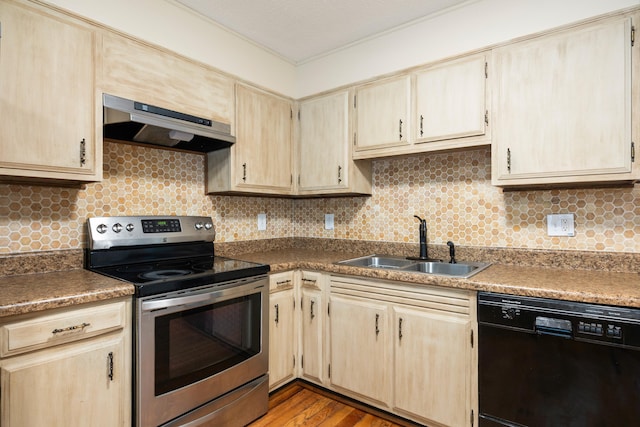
164,274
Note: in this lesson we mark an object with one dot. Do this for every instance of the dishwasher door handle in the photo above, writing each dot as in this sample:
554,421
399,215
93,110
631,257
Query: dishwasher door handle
556,327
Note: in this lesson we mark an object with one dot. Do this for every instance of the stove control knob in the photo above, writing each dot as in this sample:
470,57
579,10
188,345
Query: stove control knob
129,227
198,226
208,226
102,228
117,227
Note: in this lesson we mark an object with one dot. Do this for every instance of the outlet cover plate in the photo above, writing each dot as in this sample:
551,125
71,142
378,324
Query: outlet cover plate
262,222
328,221
560,225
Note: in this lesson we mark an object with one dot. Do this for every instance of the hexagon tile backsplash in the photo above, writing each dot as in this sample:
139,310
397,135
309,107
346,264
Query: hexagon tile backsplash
452,191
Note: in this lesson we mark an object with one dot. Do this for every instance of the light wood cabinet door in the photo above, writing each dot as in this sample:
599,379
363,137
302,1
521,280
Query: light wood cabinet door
312,316
361,353
47,96
281,338
75,385
263,147
324,143
325,163
433,366
562,107
261,160
450,100
137,71
382,113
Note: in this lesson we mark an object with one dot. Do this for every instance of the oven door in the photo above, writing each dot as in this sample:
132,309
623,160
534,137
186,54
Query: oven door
195,346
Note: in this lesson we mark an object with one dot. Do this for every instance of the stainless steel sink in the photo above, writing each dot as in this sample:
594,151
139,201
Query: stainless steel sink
440,268
375,261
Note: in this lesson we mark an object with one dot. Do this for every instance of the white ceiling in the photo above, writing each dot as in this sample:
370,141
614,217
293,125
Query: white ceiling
299,30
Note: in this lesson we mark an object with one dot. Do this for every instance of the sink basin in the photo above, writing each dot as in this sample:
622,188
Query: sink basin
375,261
461,269
446,269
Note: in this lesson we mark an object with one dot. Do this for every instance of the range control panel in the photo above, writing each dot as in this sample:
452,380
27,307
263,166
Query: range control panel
107,232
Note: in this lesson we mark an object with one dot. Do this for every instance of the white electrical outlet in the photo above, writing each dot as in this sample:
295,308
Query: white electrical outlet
560,225
328,221
262,222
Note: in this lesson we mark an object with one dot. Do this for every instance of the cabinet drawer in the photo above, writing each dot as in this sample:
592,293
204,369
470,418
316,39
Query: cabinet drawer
311,280
281,281
50,330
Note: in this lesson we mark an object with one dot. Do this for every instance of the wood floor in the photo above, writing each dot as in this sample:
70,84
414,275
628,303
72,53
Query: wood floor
299,404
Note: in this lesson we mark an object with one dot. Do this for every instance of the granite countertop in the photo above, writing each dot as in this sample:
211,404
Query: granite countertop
600,287
26,293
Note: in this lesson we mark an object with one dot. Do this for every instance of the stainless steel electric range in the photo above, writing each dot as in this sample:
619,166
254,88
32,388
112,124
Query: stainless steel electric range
201,321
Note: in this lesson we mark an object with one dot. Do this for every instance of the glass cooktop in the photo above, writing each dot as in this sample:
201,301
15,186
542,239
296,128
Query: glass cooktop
156,277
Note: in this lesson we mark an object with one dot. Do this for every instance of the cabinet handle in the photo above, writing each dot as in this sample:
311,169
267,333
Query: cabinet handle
421,123
509,160
400,126
283,282
314,281
400,329
244,172
83,152
277,319
110,366
312,314
71,328
339,174
377,329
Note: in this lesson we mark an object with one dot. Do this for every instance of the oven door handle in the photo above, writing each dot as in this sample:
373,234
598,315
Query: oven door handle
177,302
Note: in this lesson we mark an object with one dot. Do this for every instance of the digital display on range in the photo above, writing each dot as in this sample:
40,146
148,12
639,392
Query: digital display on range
161,226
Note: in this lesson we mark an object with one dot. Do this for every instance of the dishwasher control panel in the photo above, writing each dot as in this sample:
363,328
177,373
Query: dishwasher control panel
613,325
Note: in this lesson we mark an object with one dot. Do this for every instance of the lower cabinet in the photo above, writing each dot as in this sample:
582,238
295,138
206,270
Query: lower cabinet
282,328
311,332
361,352
407,349
70,367
432,366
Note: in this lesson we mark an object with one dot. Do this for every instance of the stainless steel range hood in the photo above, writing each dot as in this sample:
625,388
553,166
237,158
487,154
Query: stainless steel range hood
127,120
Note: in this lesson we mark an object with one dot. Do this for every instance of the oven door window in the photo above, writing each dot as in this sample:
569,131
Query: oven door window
195,344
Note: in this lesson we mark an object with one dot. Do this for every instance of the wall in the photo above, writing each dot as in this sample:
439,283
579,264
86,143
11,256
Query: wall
137,181
477,24
452,191
169,24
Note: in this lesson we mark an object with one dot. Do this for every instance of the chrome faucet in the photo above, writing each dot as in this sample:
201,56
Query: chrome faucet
423,240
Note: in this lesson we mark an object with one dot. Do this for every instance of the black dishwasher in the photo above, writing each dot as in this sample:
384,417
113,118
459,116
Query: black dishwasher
552,363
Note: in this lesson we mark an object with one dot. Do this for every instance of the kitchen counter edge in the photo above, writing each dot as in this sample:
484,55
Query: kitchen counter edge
591,286
28,293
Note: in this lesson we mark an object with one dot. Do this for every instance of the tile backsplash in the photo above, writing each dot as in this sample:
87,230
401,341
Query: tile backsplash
452,191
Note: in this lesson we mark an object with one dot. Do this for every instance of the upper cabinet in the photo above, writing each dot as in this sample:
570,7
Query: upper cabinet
438,107
325,163
260,162
382,114
144,73
562,107
50,116
450,100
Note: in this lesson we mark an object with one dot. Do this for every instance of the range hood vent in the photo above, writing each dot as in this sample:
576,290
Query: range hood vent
132,121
